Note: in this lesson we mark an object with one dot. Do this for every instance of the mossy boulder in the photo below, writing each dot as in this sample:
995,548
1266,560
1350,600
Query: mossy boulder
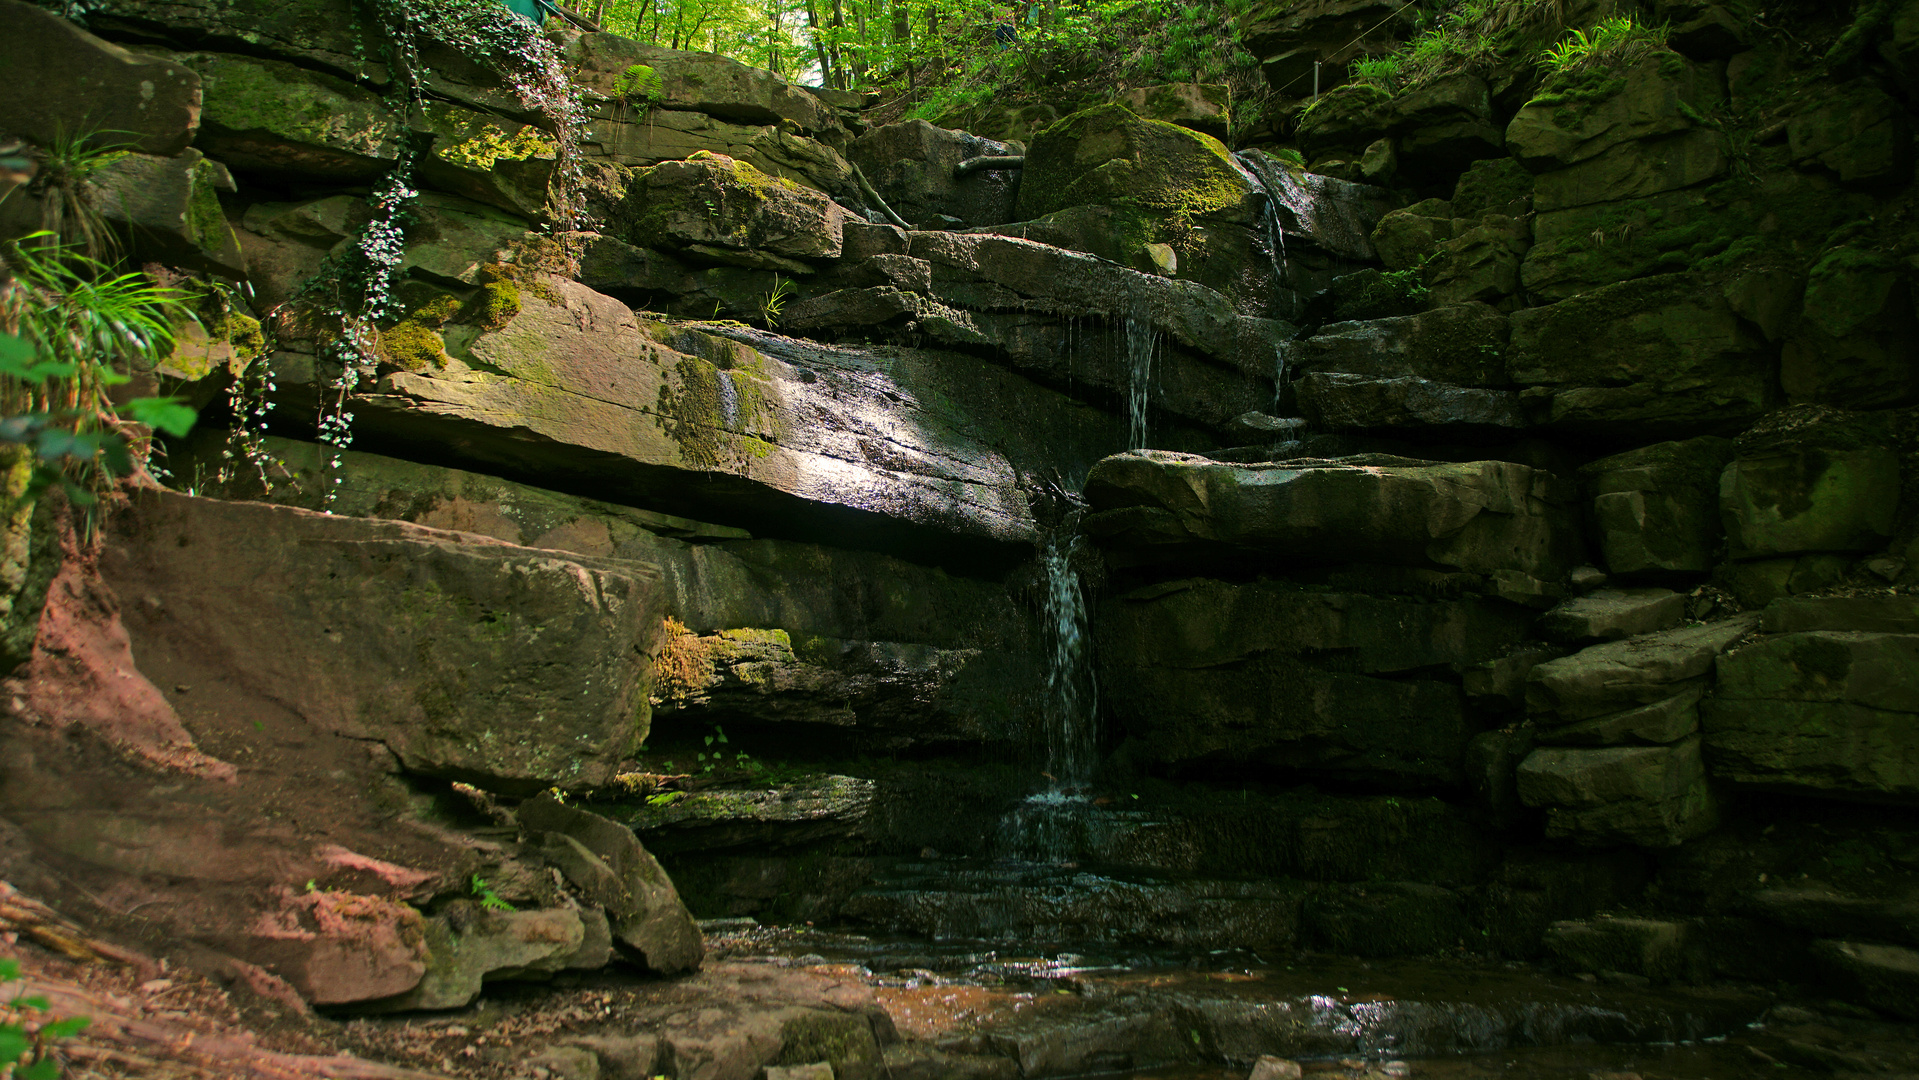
1438,128
1810,499
1830,712
710,205
1108,155
1580,117
1405,238
704,82
1479,517
911,165
1659,356
1463,344
168,209
283,120
1493,186
1649,796
607,864
1203,107
1637,169
1480,262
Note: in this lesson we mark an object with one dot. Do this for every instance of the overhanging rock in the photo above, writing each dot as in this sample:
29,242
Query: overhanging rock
472,659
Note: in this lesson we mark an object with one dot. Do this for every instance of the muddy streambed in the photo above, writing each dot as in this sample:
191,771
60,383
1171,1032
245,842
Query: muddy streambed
906,1009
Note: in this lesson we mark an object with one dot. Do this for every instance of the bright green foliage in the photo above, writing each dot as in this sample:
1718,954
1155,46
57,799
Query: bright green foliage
1614,43
952,55
26,1054
1464,36
489,900
68,327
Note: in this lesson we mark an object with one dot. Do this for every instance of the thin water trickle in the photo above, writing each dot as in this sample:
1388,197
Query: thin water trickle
1142,342
1071,701
1276,181
1049,825
729,399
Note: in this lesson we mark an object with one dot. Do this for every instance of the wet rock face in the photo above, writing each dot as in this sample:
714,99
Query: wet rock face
434,646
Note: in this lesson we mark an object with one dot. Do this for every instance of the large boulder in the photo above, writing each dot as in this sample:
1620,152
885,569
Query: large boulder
284,120
1828,712
1205,671
470,659
1359,403
1655,508
1298,43
605,65
1438,128
872,647
1657,356
339,948
1811,498
1650,796
722,210
1108,155
64,83
574,389
911,165
1861,133
1480,517
1658,96
468,945
1203,107
169,210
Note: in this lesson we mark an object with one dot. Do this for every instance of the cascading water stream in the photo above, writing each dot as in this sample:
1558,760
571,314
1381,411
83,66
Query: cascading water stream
1071,698
1049,825
1280,189
1142,343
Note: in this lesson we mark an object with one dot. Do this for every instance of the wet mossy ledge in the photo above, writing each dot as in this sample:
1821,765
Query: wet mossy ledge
1488,501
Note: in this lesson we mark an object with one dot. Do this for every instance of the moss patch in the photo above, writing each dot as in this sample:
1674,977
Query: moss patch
493,145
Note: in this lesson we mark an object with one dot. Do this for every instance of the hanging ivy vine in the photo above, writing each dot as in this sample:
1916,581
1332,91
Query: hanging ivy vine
347,301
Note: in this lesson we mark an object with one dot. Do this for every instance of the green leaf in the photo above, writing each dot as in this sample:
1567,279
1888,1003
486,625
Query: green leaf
37,1003
65,1028
166,414
13,1043
44,1069
9,970
15,354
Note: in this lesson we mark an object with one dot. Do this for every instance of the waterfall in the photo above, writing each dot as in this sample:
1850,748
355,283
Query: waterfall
1071,698
1142,341
1050,826
1304,210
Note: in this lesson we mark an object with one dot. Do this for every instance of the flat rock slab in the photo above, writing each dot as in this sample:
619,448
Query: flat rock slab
1661,722
1611,614
470,658
1884,614
575,389
1827,711
1479,517
1624,674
